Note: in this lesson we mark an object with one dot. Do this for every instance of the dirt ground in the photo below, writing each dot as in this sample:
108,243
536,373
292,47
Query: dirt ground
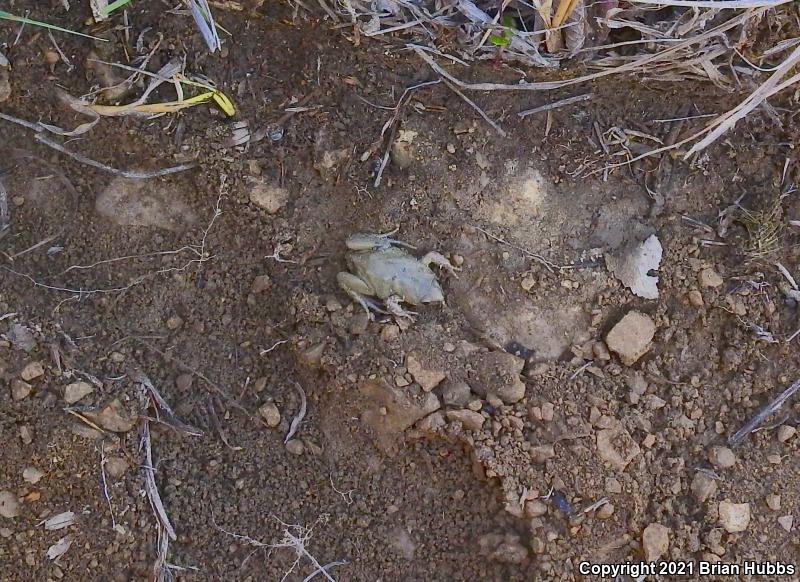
428,448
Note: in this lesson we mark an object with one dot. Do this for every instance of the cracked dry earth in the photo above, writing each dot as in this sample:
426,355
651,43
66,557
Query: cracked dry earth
541,416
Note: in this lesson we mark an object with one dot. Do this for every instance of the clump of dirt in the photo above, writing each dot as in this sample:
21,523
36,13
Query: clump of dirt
542,415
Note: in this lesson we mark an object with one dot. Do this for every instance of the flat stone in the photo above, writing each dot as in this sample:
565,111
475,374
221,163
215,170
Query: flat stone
269,197
260,284
32,475
722,457
617,447
76,391
116,467
709,278
114,417
295,447
734,517
786,522
9,505
631,337
703,487
145,203
469,419
655,541
31,371
20,390
424,375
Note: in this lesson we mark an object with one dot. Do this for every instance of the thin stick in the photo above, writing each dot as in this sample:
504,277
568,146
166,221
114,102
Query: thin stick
133,174
762,414
551,266
555,105
105,484
480,111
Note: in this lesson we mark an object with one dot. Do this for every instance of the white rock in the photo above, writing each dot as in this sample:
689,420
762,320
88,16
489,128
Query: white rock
655,541
734,517
631,337
786,522
32,475
9,505
633,265
77,390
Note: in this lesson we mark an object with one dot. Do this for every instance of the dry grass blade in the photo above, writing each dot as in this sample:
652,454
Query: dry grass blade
770,87
762,415
638,64
301,414
150,482
715,4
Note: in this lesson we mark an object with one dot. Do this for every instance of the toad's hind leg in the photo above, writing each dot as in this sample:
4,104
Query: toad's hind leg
440,261
358,290
394,307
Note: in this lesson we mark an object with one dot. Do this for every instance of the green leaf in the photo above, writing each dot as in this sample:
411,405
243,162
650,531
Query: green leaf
116,5
13,18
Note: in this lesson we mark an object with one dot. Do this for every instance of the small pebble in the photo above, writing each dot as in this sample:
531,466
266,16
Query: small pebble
451,148
605,511
785,432
295,447
695,298
174,322
703,486
655,541
117,357
184,382
31,371
535,508
709,278
116,467
32,475
786,522
76,391
389,332
722,457
773,501
20,390
734,517
270,413
548,411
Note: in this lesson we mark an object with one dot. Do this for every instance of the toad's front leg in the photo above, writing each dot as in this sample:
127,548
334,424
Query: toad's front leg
394,307
359,290
440,261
